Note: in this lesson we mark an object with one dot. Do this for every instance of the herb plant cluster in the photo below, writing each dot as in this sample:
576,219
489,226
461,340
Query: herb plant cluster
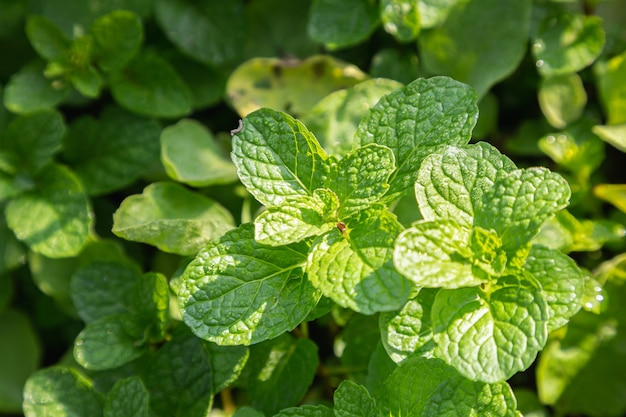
243,209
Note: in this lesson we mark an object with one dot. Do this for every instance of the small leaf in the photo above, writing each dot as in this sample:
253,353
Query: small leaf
172,218
562,99
340,23
129,397
415,121
238,291
612,193
611,89
352,399
46,38
191,154
277,157
401,19
118,37
489,336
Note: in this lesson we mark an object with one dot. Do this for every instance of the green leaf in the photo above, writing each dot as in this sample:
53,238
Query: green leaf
409,330
401,19
54,218
341,23
490,335
361,178
519,202
463,50
358,342
50,391
28,90
248,412
287,85
227,363
110,342
19,357
208,82
355,269
172,218
561,280
46,38
614,135
352,399
150,300
129,397
281,372
450,183
191,154
12,252
238,291
335,118
436,254
118,37
612,193
415,121
304,411
395,64
378,370
199,29
277,157
150,86
611,89
113,151
434,12
429,387
297,218
567,42
562,99
31,141
102,289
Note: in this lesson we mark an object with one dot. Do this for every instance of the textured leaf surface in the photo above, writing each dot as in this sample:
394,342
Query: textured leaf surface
129,397
490,335
355,269
307,411
277,157
352,399
191,154
238,291
172,218
415,120
342,23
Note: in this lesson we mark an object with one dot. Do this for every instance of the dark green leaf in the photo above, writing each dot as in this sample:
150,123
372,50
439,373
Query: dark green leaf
352,399
341,23
150,301
46,38
129,397
118,37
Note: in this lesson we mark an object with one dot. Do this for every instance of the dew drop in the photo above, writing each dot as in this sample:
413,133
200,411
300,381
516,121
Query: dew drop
550,139
539,63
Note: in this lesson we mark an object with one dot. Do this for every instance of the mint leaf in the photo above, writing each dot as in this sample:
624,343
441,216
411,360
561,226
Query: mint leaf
172,218
417,119
354,268
561,280
352,399
305,411
341,23
247,412
436,254
519,202
58,388
401,19
150,300
562,99
191,154
46,38
434,12
450,183
277,157
53,219
117,37
611,90
297,218
489,335
227,363
129,397
238,291
359,339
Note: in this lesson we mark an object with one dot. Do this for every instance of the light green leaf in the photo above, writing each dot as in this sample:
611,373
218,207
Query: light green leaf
12,252
110,342
297,218
614,135
341,23
129,397
335,118
415,121
113,151
277,157
118,37
28,90
561,280
172,218
150,300
401,19
238,291
436,254
611,88
465,51
434,12
198,29
50,390
519,202
150,86
305,411
409,330
489,335
567,42
46,38
191,154
429,387
352,399
562,99
281,372
354,268
53,219
450,183
613,193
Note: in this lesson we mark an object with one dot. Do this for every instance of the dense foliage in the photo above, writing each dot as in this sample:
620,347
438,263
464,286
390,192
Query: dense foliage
312,208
